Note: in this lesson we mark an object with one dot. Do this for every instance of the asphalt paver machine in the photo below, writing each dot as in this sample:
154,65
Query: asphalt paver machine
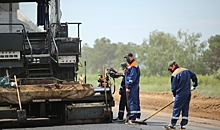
38,72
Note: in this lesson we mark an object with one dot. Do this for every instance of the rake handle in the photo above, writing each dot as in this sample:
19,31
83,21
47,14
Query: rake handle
158,111
19,99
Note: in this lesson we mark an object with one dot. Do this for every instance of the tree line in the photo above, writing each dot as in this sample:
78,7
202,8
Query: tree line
153,54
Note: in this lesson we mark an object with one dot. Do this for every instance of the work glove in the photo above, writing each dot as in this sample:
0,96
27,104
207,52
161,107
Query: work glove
193,88
173,98
127,90
121,74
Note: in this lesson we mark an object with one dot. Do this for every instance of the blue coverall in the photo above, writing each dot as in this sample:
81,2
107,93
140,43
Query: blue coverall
132,83
180,86
122,102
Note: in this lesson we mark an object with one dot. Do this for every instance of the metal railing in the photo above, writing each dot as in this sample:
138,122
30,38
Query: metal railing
52,33
23,32
54,43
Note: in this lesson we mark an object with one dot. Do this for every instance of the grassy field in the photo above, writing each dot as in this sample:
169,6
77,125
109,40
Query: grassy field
208,85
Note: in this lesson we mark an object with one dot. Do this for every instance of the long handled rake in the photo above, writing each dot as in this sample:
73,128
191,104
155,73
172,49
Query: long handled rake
20,113
145,123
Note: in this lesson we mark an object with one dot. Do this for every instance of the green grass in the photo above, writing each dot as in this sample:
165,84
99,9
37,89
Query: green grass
154,88
209,86
155,84
208,90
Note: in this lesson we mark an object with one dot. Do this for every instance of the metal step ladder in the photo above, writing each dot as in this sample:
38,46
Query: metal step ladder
38,61
36,43
39,67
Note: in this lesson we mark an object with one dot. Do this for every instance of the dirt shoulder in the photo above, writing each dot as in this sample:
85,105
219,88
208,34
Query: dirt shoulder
200,106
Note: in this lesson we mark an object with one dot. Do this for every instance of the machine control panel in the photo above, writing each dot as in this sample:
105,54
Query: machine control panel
4,55
67,59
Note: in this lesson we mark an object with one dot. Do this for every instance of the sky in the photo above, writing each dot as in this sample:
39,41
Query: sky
133,20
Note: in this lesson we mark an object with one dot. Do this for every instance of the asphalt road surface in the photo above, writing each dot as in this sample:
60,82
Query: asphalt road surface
155,123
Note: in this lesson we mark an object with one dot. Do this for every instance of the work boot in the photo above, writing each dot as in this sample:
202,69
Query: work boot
168,127
182,128
137,119
117,119
130,123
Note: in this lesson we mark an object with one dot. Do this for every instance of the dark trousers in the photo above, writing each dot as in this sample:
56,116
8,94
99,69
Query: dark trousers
122,103
181,104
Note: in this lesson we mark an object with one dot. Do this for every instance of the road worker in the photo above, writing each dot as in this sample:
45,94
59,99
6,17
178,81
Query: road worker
180,86
132,79
122,92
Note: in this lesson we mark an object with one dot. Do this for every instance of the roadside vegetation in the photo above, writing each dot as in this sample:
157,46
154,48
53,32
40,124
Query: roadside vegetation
208,86
153,54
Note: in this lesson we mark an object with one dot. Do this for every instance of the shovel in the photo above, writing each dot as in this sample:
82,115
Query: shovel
145,123
21,114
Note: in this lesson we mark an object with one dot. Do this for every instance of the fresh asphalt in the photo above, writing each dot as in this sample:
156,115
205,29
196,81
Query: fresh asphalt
155,123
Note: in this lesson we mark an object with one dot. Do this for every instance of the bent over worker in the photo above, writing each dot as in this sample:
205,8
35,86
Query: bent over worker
180,86
132,80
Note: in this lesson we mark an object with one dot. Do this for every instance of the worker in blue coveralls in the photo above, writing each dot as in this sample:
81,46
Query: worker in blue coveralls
180,86
132,80
122,92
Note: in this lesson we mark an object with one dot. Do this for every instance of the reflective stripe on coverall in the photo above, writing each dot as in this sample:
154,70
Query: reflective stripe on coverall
180,81
132,83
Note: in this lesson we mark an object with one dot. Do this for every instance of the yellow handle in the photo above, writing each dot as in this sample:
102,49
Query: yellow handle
19,100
